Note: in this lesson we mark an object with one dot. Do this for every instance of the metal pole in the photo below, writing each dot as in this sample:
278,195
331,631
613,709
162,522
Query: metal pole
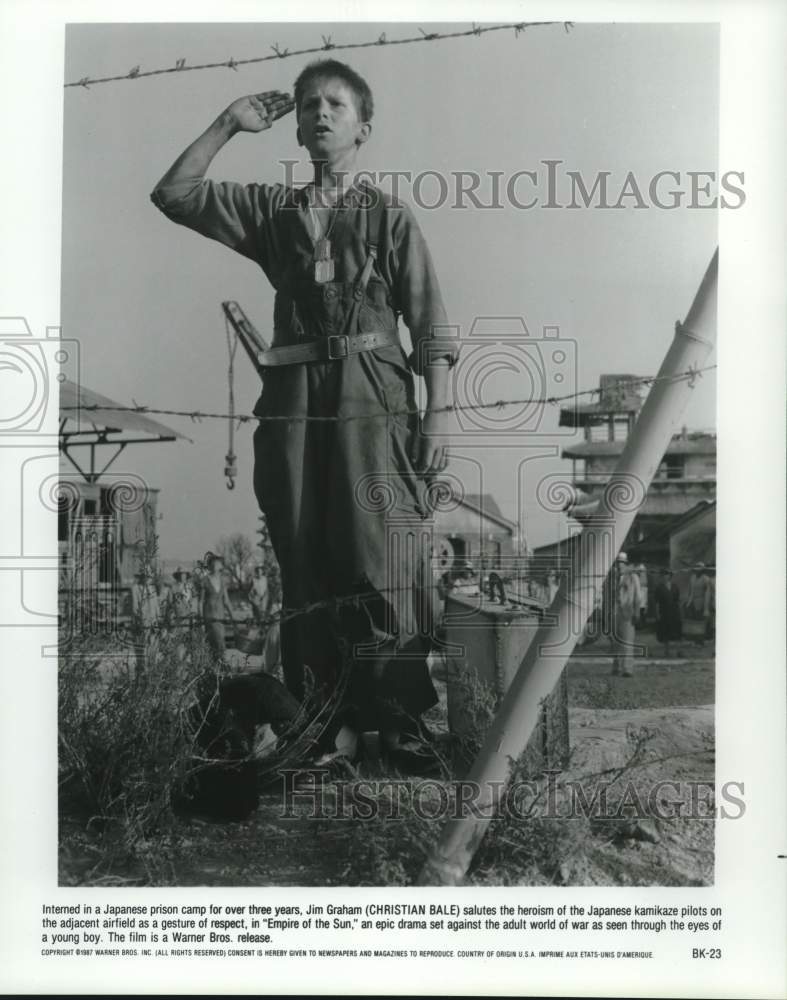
597,547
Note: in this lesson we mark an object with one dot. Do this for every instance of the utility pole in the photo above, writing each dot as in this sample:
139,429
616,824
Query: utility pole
597,549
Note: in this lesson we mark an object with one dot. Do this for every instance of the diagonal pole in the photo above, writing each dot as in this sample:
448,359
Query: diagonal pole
597,548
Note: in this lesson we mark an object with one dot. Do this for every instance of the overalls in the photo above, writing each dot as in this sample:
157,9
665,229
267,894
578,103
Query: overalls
344,505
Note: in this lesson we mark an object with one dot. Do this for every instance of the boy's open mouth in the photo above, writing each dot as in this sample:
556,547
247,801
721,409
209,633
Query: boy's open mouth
321,129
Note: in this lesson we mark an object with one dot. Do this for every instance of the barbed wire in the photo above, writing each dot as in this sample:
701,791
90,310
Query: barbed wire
691,375
328,45
192,620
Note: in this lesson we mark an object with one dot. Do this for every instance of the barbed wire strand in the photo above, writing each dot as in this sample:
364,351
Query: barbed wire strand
690,375
328,45
194,619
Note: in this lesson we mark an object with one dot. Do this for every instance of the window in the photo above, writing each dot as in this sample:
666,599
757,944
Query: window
104,501
675,466
62,518
620,428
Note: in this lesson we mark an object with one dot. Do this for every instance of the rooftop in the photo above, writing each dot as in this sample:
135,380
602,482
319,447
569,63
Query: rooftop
83,411
694,443
486,505
621,394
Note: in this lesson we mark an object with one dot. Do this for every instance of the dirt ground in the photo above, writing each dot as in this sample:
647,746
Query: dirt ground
653,727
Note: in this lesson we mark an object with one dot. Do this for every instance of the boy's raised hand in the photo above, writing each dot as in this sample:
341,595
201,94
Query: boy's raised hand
258,112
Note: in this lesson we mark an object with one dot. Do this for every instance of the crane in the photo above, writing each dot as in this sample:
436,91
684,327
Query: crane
236,320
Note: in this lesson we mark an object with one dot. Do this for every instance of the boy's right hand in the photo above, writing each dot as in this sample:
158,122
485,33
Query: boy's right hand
258,112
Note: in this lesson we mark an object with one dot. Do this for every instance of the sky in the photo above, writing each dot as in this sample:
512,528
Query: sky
143,296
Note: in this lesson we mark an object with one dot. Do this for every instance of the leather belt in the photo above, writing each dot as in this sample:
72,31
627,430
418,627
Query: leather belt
326,348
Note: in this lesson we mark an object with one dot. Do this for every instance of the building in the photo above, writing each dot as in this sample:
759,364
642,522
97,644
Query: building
106,518
474,531
686,476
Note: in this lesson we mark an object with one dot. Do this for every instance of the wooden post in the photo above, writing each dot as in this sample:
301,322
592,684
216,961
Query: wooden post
597,548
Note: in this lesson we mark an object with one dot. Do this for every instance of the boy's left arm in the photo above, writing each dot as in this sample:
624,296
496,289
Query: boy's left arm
432,444
435,347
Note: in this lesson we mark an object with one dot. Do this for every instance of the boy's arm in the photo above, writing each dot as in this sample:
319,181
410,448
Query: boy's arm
254,113
234,214
432,445
435,349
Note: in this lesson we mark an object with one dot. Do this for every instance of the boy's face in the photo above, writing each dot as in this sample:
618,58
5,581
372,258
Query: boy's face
329,125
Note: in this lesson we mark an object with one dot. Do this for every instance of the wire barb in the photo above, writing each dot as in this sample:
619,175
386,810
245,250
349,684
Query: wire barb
691,374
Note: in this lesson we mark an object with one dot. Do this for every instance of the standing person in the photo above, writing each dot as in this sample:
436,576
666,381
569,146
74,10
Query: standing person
271,649
146,608
669,621
345,261
552,586
697,604
710,606
216,605
642,572
258,595
180,594
180,609
628,601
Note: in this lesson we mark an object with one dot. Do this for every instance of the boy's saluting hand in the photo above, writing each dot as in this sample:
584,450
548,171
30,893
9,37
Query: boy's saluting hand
253,113
258,112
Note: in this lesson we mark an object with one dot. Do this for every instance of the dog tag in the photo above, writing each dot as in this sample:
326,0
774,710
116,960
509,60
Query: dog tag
323,262
323,271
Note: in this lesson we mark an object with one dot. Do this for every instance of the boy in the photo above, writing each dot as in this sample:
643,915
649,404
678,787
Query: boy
343,270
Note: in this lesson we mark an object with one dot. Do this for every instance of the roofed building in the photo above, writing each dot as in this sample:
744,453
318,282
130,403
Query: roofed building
106,519
685,477
474,531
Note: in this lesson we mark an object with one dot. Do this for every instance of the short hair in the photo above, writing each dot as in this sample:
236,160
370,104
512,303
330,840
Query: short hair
322,68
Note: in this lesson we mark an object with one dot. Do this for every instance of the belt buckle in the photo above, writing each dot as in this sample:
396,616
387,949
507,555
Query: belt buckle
341,351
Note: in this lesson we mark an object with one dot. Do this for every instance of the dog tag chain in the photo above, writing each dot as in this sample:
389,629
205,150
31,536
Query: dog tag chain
322,257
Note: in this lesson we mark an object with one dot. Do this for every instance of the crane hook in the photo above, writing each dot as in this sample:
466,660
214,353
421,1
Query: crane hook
230,469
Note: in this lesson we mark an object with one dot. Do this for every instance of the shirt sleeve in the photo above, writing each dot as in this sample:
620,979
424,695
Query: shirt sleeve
416,292
241,216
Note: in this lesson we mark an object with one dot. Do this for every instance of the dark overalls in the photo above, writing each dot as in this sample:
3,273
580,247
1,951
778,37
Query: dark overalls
344,505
